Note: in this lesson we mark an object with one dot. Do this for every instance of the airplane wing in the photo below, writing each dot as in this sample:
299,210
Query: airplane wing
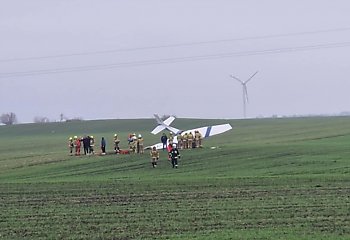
158,129
169,120
210,130
205,132
157,145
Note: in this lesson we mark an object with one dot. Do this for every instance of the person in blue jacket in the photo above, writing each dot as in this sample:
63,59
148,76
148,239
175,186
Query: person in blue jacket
164,140
103,146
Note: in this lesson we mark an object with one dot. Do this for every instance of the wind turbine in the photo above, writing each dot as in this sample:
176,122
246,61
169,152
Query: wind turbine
245,91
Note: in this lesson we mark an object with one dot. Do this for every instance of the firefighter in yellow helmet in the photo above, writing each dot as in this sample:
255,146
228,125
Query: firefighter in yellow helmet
140,148
171,138
198,139
133,144
154,156
77,145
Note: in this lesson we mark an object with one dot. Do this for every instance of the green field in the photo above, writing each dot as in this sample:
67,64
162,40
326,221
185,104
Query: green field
265,179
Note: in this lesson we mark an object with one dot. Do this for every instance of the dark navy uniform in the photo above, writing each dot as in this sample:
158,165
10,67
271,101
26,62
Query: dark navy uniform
174,155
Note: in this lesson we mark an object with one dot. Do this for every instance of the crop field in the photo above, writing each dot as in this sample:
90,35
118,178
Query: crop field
265,179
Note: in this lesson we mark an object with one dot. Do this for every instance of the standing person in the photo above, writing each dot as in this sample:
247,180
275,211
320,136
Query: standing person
86,144
140,144
171,138
169,148
190,140
130,141
134,143
154,156
179,141
77,145
184,140
116,143
174,154
71,146
103,146
198,139
164,140
92,145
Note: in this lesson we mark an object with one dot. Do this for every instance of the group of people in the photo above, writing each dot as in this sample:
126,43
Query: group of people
185,141
173,155
75,143
87,142
135,144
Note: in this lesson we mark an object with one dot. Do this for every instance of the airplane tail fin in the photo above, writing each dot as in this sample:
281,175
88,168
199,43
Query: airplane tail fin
158,120
164,125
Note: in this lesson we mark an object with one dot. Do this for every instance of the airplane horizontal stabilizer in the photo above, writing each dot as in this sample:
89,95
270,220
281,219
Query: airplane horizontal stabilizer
158,129
169,120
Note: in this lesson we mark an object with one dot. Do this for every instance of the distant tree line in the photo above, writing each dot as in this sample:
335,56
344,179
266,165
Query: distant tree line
11,118
8,118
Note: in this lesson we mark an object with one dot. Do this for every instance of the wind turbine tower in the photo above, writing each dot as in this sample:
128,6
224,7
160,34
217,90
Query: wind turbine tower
245,91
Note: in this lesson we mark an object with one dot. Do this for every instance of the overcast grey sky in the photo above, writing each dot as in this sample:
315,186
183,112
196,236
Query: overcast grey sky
130,59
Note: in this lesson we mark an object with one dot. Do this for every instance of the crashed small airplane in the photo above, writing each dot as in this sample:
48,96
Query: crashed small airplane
207,131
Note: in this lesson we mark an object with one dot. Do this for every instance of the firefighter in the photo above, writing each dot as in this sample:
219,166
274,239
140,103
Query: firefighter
179,141
77,145
140,148
133,143
92,145
171,138
198,139
184,140
116,142
174,155
154,157
190,140
70,146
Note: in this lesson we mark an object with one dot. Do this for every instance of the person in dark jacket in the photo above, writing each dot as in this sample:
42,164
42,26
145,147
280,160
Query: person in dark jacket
86,144
164,140
103,146
174,155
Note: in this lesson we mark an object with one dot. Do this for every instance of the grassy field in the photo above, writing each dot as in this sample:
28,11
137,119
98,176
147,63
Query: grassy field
265,179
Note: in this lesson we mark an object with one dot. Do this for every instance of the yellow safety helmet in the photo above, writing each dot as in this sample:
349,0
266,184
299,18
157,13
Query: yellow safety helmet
70,138
92,136
115,135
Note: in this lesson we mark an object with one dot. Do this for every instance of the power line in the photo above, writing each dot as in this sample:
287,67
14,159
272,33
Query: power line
176,45
175,60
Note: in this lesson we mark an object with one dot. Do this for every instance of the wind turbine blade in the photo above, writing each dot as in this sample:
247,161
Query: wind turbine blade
239,80
251,77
